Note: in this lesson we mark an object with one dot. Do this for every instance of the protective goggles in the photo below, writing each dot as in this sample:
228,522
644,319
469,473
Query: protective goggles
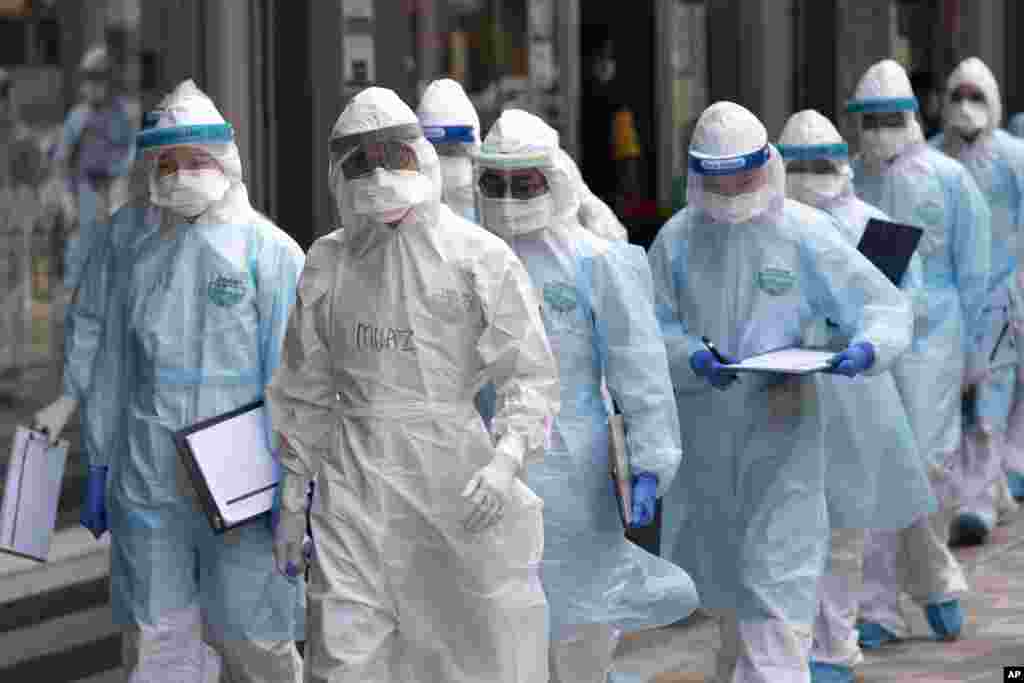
814,166
714,166
512,184
391,148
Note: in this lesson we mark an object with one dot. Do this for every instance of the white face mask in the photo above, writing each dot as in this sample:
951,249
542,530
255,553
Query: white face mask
188,193
883,144
386,196
969,117
816,189
735,209
512,217
457,179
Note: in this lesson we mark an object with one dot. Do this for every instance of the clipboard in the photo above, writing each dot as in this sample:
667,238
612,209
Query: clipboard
231,466
787,361
618,465
28,512
890,246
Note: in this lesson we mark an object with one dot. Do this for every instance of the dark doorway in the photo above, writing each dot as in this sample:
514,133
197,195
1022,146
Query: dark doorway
632,48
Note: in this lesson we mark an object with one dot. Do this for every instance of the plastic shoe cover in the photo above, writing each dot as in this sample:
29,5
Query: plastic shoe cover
1016,482
871,635
969,529
831,673
946,619
616,677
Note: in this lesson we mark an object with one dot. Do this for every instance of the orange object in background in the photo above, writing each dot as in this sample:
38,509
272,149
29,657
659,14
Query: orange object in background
625,140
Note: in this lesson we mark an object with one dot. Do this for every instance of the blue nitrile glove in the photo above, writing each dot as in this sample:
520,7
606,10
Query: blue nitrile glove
94,510
645,496
854,360
705,365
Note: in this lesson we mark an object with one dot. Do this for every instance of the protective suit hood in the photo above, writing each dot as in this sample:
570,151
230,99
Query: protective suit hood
975,72
885,87
809,135
594,215
520,140
378,109
729,139
448,117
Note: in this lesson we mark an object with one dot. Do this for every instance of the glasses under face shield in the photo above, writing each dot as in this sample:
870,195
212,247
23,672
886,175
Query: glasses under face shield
528,183
389,149
813,166
967,93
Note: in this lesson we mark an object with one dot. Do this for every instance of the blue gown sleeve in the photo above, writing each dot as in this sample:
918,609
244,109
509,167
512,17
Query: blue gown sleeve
636,366
668,273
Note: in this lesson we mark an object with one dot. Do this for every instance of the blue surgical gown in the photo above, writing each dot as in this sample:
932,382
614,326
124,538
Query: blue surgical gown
746,515
597,304
876,477
185,323
927,189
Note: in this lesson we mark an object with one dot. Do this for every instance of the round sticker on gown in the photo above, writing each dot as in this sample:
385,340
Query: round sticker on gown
776,281
560,297
226,291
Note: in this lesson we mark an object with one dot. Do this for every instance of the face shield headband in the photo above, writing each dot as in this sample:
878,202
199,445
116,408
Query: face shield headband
720,166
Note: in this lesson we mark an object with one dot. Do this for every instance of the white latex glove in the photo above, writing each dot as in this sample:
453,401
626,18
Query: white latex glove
489,490
53,418
290,534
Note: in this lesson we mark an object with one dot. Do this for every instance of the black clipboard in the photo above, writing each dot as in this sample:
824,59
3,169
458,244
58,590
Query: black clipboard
890,246
199,482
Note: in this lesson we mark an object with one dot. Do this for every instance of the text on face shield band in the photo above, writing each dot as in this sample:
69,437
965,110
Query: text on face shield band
729,165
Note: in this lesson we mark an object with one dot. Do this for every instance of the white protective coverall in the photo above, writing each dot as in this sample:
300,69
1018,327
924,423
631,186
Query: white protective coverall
397,326
917,185
875,475
751,270
995,160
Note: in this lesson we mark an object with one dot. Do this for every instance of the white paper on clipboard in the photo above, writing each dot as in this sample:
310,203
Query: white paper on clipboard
236,464
28,511
794,361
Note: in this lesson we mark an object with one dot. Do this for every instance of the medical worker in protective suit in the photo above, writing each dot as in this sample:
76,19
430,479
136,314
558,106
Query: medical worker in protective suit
1016,125
451,123
428,541
597,304
914,184
875,476
750,270
97,148
972,114
188,303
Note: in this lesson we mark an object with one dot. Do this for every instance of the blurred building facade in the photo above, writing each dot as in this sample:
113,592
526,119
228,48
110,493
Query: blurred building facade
283,69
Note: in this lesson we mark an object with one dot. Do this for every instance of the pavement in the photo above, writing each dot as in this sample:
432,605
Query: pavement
993,635
56,625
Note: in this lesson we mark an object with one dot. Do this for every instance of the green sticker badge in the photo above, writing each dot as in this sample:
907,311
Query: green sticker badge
560,297
226,291
929,213
776,281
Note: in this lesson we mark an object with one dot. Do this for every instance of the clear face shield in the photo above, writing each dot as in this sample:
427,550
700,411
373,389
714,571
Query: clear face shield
731,189
377,173
817,174
185,179
884,135
455,146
